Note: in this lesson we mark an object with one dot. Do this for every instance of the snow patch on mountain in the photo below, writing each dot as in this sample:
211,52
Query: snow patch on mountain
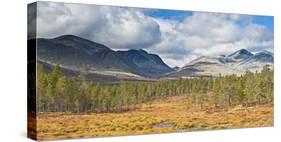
235,63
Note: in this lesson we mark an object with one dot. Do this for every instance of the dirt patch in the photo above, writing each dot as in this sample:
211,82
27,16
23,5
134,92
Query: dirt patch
164,125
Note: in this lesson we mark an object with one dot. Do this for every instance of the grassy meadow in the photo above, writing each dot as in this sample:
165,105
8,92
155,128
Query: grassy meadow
76,107
173,114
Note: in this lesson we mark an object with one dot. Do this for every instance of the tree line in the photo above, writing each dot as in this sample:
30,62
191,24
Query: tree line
58,93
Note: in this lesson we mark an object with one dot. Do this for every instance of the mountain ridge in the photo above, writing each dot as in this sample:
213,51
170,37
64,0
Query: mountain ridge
235,63
75,53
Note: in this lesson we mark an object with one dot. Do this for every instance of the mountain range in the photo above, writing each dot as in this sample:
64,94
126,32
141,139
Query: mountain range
74,53
235,63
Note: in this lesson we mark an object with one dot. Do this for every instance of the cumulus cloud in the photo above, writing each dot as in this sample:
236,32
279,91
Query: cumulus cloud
217,26
128,29
210,34
175,41
118,28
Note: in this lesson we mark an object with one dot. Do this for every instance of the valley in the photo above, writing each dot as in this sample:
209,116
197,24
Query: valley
173,114
108,70
85,89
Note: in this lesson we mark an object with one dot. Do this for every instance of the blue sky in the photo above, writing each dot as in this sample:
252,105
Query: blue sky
179,15
170,14
267,21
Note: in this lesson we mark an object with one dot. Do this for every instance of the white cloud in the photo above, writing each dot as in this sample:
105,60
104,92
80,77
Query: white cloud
173,45
176,42
210,34
118,28
218,26
257,32
128,29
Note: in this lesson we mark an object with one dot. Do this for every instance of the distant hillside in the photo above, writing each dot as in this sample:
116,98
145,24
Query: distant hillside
235,63
75,53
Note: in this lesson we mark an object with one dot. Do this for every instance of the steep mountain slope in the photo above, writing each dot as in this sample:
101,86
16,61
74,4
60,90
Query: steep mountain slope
235,63
239,55
257,61
75,53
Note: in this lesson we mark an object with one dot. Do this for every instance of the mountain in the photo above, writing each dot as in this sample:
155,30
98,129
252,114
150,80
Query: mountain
176,68
75,53
235,63
240,55
257,61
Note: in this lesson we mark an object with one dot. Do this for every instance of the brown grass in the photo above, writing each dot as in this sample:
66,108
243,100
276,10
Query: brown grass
170,115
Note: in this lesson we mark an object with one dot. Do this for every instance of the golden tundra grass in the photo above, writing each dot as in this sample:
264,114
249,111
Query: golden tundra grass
170,115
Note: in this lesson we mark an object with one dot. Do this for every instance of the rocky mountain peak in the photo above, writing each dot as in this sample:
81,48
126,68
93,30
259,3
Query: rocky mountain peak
240,54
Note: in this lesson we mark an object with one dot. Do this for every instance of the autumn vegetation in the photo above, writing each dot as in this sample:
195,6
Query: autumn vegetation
76,107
